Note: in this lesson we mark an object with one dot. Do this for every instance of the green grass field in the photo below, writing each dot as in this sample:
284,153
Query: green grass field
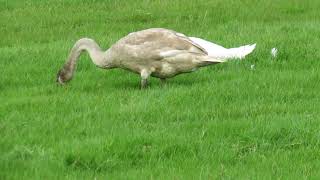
222,122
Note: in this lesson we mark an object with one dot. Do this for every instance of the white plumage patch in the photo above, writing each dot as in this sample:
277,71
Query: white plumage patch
170,53
217,51
167,69
180,34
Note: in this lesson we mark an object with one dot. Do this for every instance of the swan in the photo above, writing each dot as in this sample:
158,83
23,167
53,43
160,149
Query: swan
156,52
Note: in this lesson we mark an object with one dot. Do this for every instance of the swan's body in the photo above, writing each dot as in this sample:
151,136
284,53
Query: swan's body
157,52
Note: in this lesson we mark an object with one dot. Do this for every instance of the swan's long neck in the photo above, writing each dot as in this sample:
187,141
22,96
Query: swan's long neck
89,45
97,56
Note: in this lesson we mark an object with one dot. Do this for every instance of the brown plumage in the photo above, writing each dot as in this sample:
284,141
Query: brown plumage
156,52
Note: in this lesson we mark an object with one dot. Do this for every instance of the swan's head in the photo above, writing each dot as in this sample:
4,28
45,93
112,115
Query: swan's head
63,76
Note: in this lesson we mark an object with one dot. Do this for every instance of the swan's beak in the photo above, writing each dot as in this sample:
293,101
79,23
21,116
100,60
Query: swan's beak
59,79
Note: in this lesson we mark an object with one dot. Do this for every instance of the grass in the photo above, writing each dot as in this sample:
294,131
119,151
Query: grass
222,122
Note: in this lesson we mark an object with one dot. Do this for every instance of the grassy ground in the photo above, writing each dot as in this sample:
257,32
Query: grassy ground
225,121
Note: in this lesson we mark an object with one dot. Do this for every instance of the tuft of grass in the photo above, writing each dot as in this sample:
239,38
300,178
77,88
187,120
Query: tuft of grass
222,122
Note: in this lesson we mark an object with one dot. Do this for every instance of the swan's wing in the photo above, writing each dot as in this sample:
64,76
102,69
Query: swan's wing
158,43
207,45
187,39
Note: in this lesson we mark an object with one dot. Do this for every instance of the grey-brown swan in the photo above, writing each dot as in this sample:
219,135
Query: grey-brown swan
156,52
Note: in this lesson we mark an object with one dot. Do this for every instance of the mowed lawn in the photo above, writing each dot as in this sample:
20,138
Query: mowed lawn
227,121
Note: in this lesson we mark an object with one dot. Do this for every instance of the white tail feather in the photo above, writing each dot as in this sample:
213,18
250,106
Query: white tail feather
219,52
242,51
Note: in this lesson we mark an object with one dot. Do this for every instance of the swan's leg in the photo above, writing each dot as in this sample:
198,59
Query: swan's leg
144,83
144,78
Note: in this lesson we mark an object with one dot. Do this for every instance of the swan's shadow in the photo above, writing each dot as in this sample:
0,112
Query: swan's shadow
156,83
